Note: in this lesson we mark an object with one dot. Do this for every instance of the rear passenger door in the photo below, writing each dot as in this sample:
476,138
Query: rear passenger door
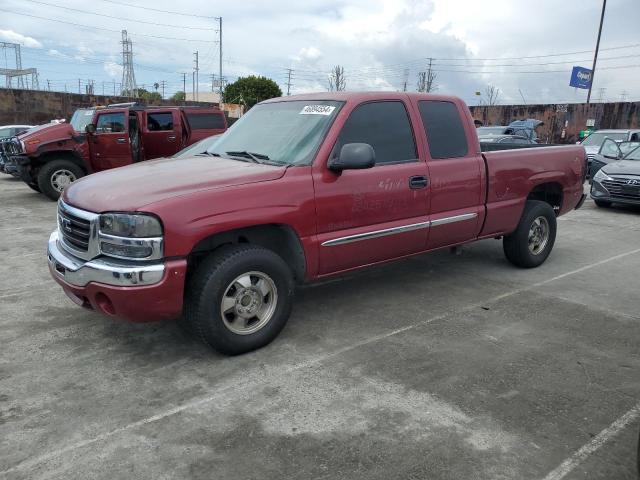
456,174
367,216
160,136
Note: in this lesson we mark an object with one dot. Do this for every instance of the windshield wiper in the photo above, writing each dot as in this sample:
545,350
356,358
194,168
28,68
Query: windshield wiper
255,157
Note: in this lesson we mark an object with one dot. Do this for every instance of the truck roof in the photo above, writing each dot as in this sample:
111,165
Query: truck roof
361,96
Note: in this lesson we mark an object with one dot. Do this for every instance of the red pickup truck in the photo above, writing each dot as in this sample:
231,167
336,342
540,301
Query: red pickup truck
299,189
48,158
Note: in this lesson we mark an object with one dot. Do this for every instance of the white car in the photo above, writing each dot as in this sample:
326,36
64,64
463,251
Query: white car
8,131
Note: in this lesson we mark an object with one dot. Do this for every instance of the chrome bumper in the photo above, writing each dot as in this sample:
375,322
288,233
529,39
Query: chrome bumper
77,272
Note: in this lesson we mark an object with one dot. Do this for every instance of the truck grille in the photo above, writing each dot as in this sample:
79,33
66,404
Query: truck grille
621,187
11,146
75,231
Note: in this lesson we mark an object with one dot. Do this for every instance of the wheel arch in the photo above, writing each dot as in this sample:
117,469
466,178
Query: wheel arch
70,155
279,238
548,192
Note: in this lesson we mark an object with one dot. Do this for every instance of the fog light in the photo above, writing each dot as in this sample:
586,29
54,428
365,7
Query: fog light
129,251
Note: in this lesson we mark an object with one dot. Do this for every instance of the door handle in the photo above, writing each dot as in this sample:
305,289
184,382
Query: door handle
121,140
418,181
171,138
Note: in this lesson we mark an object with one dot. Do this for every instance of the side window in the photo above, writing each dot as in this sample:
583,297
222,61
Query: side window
383,125
159,121
110,123
444,129
206,121
635,137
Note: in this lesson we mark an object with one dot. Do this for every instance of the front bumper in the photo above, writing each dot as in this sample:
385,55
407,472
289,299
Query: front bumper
599,192
136,292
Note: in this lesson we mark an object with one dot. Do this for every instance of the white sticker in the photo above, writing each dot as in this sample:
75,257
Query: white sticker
317,110
88,112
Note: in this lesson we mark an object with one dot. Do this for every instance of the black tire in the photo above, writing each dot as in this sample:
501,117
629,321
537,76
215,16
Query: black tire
602,203
214,277
49,169
516,246
34,186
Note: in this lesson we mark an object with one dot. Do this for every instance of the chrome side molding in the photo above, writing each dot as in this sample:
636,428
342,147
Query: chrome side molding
395,230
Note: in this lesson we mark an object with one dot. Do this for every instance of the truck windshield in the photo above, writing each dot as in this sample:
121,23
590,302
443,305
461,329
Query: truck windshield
597,138
81,118
281,132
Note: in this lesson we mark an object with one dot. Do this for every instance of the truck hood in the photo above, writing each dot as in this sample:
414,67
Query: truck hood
49,131
622,167
131,188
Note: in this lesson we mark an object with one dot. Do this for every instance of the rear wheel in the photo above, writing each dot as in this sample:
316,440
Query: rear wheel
57,175
532,242
239,298
602,203
34,186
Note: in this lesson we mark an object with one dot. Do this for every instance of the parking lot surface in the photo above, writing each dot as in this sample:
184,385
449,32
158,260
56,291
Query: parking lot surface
440,366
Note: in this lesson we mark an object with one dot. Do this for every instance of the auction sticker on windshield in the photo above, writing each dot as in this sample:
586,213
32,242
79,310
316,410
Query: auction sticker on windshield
317,110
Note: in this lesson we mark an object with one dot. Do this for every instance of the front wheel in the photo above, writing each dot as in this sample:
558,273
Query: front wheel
532,242
239,298
602,203
57,175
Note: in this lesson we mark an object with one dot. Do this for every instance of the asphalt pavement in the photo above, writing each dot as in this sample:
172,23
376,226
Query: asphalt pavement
437,367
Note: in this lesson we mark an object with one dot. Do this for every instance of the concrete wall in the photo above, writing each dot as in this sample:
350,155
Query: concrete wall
563,122
36,107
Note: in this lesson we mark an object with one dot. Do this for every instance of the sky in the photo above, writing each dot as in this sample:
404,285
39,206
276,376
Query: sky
525,49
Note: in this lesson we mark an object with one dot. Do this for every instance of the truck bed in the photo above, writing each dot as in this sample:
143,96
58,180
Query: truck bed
513,174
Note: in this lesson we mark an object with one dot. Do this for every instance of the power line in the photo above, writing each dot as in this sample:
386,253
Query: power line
91,27
159,10
118,18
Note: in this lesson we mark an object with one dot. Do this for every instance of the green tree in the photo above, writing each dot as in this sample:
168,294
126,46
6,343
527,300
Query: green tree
179,96
144,95
251,90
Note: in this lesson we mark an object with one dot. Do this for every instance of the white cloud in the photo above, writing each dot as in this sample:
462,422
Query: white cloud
112,69
15,37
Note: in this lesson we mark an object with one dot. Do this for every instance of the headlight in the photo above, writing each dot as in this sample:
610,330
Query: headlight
600,176
131,236
130,225
22,147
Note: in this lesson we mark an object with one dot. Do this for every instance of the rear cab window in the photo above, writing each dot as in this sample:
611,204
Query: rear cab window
444,129
384,125
206,121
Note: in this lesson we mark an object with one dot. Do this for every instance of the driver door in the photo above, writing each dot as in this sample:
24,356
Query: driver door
110,146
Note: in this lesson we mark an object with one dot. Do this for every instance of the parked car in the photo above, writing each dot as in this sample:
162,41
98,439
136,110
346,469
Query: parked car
300,189
510,139
522,128
619,180
594,141
6,132
610,151
50,157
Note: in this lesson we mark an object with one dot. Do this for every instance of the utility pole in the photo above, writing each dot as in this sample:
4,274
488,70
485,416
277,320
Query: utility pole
289,72
595,56
163,83
49,86
601,92
184,83
128,75
220,55
196,68
114,88
213,82
406,77
103,88
623,96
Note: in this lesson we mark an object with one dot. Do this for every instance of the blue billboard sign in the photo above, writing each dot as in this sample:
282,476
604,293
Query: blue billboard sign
580,77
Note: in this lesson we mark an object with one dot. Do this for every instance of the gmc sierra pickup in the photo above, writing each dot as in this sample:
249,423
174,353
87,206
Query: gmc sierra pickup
299,189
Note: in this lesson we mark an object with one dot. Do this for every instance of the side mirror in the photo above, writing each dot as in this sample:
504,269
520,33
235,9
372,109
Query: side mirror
353,156
90,128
